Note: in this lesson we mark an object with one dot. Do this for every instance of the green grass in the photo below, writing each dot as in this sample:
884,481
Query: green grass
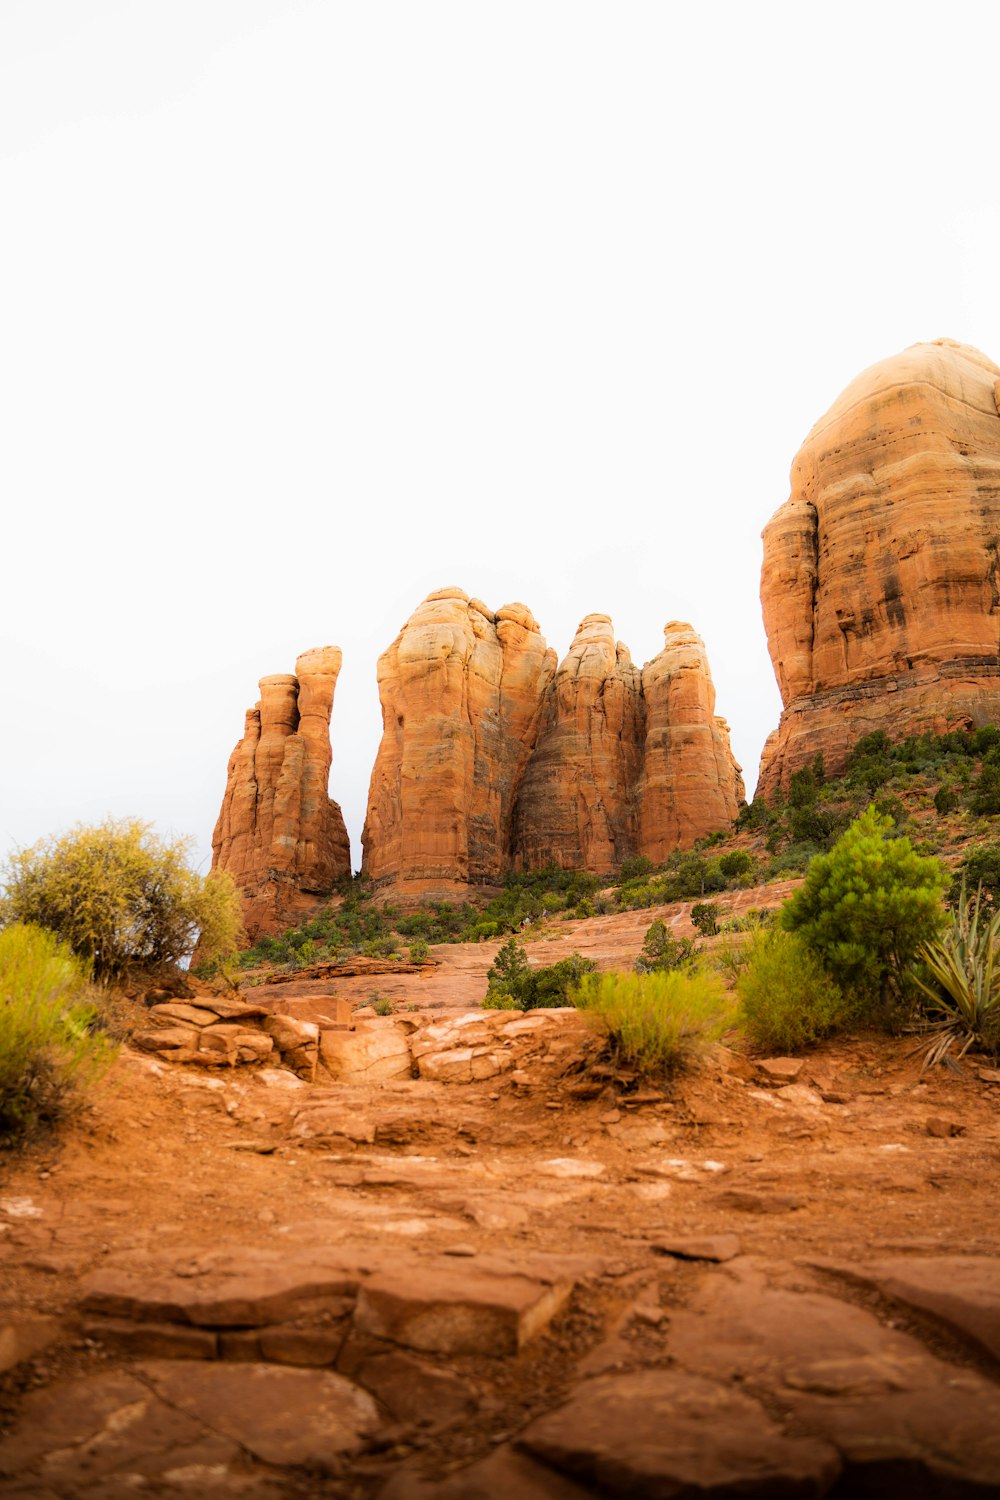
49,1051
657,1023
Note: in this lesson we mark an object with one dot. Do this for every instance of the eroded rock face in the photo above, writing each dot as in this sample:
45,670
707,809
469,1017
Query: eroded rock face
279,834
462,690
576,806
491,759
879,586
691,784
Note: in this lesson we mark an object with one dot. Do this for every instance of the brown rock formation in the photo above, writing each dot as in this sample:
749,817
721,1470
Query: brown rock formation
691,784
279,835
879,586
576,806
492,760
461,691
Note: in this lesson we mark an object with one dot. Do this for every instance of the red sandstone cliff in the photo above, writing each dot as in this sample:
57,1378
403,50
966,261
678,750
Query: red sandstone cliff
279,835
691,785
461,692
576,805
879,585
491,759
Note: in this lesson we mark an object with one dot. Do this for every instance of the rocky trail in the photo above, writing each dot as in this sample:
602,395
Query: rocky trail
510,1275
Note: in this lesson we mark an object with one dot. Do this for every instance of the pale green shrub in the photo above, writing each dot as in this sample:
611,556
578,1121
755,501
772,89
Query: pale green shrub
49,1051
658,1022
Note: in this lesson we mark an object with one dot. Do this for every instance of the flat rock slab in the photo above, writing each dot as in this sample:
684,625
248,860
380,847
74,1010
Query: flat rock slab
779,1070
252,1290
165,1424
662,1432
459,1310
960,1291
279,1414
505,1475
889,1406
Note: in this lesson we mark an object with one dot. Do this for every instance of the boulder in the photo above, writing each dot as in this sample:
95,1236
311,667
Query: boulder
880,583
377,1050
459,1310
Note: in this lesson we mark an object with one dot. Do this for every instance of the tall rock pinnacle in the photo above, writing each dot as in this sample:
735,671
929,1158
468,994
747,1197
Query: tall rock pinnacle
279,835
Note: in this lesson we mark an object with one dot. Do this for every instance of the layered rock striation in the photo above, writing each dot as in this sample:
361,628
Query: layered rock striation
462,691
279,835
577,804
691,785
493,759
880,579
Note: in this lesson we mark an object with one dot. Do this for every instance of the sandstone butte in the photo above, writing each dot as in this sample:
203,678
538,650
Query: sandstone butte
492,758
880,582
279,835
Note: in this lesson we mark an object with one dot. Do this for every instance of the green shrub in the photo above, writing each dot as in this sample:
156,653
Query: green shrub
554,985
946,799
980,868
985,801
962,984
500,1000
657,1023
892,807
735,864
865,910
381,1004
119,896
509,969
635,867
534,989
48,1049
704,916
418,951
660,951
788,999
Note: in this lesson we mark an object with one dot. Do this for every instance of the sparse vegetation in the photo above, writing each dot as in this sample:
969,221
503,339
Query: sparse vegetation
865,910
961,983
660,951
705,917
49,1049
657,1023
121,897
788,999
512,978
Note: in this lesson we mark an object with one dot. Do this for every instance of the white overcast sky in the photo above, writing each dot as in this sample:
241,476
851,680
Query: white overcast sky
308,308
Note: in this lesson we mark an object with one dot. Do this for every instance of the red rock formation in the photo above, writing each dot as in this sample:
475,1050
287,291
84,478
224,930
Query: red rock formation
279,835
879,586
577,803
691,785
492,760
461,691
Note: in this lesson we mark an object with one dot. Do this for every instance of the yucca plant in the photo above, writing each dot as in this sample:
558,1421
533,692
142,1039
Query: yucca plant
963,999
